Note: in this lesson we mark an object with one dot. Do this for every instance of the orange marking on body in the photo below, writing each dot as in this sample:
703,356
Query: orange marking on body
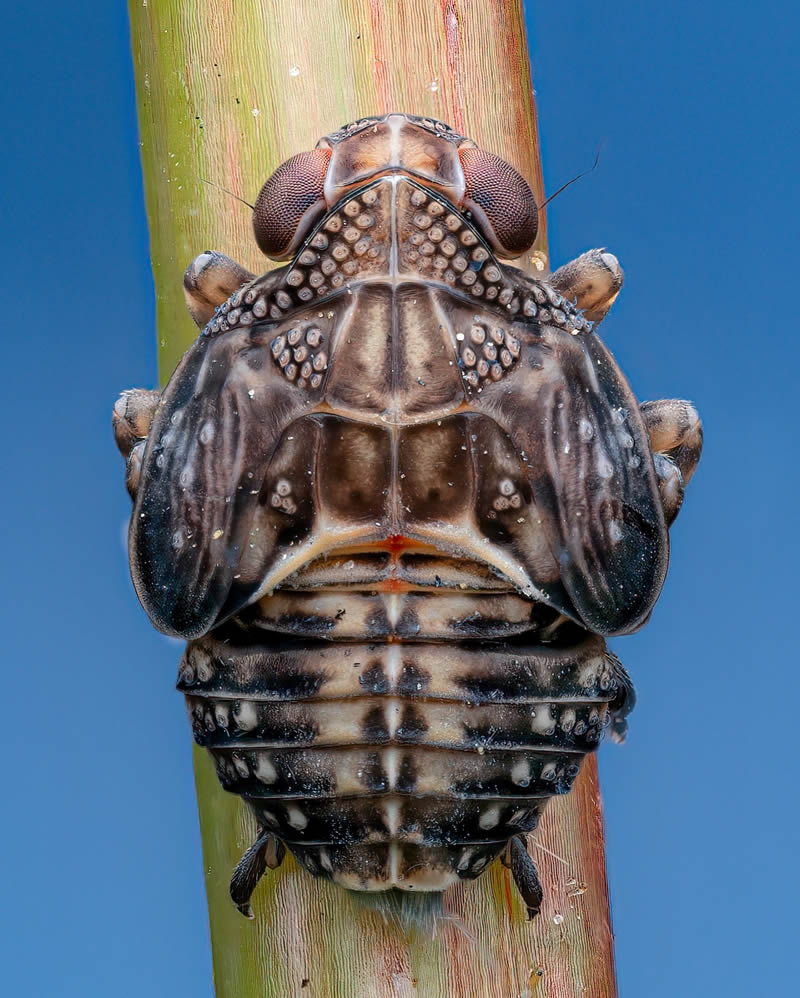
393,585
398,543
395,543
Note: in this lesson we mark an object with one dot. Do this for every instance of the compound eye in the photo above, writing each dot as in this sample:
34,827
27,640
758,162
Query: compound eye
290,202
500,200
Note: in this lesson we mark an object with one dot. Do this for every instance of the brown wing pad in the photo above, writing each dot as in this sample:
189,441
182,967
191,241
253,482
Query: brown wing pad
201,476
568,407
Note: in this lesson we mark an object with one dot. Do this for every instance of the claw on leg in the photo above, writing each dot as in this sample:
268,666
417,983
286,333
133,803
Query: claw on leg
593,280
265,853
670,486
210,280
133,469
525,876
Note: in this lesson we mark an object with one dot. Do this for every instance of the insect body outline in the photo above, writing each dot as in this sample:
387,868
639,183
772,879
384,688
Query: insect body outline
396,496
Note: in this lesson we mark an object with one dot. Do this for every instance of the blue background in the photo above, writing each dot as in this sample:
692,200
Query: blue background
696,192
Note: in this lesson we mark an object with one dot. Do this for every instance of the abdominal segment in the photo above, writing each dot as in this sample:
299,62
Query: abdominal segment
396,764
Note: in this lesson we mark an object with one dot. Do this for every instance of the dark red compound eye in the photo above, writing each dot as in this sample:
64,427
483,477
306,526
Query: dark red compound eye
500,200
290,202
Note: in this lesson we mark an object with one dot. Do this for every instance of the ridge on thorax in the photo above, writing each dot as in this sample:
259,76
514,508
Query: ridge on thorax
397,564
357,242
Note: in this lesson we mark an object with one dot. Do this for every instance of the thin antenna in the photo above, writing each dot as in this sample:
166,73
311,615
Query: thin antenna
585,172
252,207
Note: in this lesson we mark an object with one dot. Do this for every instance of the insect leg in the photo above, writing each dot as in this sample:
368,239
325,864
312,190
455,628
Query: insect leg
525,876
276,850
266,852
676,438
624,702
593,280
211,279
675,430
131,419
132,416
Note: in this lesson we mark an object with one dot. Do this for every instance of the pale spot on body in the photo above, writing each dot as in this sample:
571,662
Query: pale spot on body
605,469
296,818
521,773
542,719
490,818
264,770
463,863
246,716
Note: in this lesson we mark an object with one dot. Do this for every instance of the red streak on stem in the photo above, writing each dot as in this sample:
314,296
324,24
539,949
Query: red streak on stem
507,882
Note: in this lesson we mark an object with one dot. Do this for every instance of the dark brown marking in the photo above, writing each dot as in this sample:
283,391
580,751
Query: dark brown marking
373,726
412,726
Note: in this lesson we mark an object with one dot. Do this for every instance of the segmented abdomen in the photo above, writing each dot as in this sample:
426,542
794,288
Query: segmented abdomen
396,764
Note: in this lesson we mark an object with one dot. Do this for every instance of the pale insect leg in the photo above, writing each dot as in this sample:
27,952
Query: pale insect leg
676,439
211,279
593,280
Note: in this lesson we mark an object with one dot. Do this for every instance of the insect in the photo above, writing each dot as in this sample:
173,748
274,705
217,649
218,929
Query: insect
395,497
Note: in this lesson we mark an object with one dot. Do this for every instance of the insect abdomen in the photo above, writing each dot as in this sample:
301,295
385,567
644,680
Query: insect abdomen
396,765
